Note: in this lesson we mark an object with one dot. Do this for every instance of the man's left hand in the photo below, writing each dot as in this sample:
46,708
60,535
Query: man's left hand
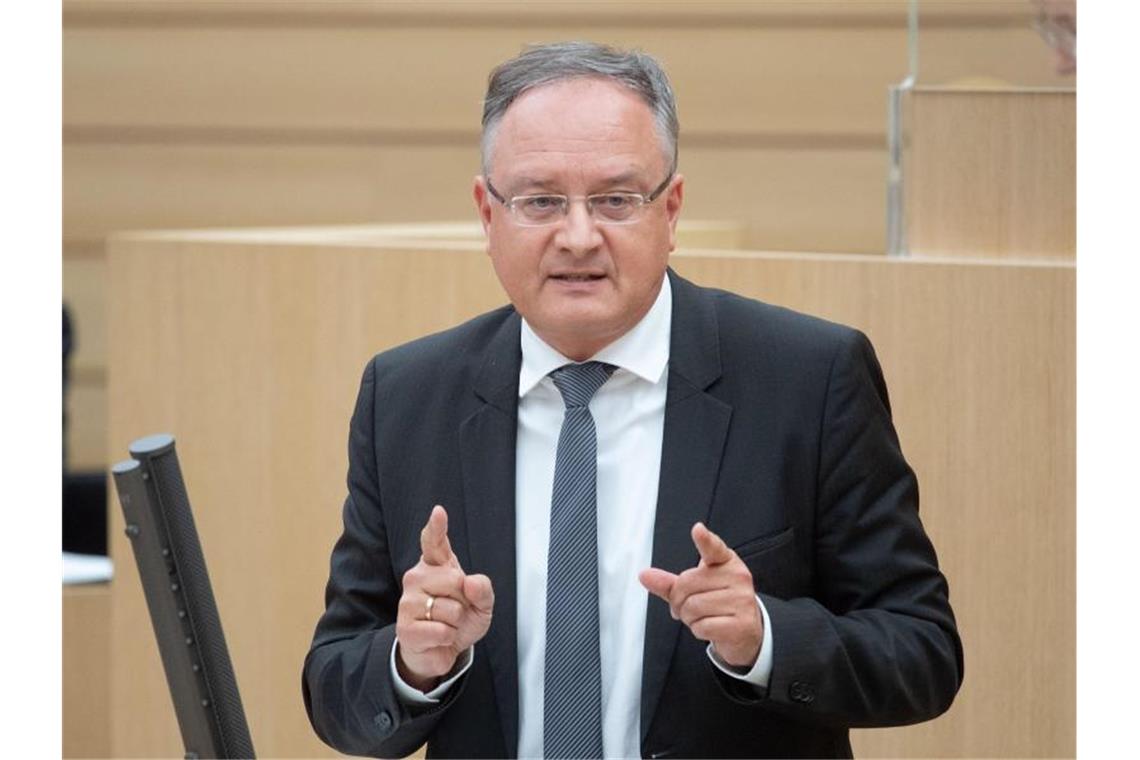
715,599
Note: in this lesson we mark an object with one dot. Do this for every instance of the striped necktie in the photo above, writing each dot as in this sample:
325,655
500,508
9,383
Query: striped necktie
572,709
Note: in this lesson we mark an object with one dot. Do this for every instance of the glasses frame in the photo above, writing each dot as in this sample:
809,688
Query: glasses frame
510,203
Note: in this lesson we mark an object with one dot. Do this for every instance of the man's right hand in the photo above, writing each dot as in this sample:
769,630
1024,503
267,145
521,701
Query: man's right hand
433,634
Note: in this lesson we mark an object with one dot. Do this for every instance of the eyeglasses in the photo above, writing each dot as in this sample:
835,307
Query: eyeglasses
604,208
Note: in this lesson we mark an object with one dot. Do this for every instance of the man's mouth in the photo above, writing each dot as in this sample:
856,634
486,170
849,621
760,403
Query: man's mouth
577,276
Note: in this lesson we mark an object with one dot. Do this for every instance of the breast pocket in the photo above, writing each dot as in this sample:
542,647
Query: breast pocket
775,564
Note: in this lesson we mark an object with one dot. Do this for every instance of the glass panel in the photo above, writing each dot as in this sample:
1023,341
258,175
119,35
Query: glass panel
978,46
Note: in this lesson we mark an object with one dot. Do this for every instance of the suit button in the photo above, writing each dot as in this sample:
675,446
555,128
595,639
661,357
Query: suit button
801,692
383,721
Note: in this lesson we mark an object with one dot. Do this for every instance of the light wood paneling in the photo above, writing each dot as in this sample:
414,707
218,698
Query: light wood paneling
86,670
783,67
506,12
692,234
296,79
778,196
992,172
293,84
254,349
87,422
792,200
1013,54
140,187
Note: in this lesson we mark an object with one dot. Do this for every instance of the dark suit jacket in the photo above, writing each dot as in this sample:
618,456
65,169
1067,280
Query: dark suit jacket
777,435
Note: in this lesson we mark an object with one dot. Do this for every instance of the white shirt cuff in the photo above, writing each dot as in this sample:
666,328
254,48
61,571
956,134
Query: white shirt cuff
762,668
412,695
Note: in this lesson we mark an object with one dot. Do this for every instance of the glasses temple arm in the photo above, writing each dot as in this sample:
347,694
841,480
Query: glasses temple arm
660,188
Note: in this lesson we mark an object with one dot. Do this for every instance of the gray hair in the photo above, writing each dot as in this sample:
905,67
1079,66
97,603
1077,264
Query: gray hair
540,65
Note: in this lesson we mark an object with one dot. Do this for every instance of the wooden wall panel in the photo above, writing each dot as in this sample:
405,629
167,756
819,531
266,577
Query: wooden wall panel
792,199
288,80
991,172
87,424
745,68
256,347
1013,54
749,77
87,670
185,186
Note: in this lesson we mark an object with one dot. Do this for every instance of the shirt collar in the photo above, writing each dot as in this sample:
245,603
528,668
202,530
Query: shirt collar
643,351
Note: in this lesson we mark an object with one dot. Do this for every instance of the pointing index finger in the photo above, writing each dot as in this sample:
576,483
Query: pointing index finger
712,548
434,546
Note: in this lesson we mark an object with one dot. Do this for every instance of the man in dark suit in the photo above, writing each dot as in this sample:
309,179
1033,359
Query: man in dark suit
735,460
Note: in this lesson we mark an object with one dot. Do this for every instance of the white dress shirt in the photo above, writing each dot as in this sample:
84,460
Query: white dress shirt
629,416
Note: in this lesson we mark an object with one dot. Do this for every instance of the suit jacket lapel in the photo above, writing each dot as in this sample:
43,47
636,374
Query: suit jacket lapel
487,445
696,425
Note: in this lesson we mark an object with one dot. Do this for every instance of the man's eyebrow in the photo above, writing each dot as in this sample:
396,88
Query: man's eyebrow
530,183
620,179
524,184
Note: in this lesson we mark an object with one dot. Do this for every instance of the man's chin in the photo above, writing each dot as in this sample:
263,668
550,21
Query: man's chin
578,334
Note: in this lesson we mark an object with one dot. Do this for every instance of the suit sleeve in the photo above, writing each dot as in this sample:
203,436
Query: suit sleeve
346,680
876,644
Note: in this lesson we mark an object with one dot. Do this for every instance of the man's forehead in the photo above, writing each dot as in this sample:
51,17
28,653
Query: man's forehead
578,124
582,107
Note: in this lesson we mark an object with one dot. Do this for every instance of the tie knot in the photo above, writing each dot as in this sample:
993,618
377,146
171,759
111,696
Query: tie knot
579,382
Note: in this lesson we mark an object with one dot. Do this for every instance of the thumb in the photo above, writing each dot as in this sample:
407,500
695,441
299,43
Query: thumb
479,593
657,582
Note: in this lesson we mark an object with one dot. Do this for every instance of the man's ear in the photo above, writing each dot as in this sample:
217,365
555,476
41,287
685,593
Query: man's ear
673,199
482,203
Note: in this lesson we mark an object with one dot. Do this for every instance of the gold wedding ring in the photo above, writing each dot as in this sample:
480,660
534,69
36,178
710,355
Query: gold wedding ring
430,604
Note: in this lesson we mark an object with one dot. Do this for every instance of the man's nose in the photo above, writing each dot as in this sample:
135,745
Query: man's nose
579,233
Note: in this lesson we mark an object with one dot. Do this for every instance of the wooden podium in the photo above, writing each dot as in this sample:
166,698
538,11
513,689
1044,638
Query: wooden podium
991,172
248,347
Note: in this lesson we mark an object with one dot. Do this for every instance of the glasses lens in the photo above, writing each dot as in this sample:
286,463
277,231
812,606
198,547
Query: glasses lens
540,209
615,207
606,208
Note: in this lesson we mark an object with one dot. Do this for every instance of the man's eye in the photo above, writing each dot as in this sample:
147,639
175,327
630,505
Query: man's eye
541,203
616,202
